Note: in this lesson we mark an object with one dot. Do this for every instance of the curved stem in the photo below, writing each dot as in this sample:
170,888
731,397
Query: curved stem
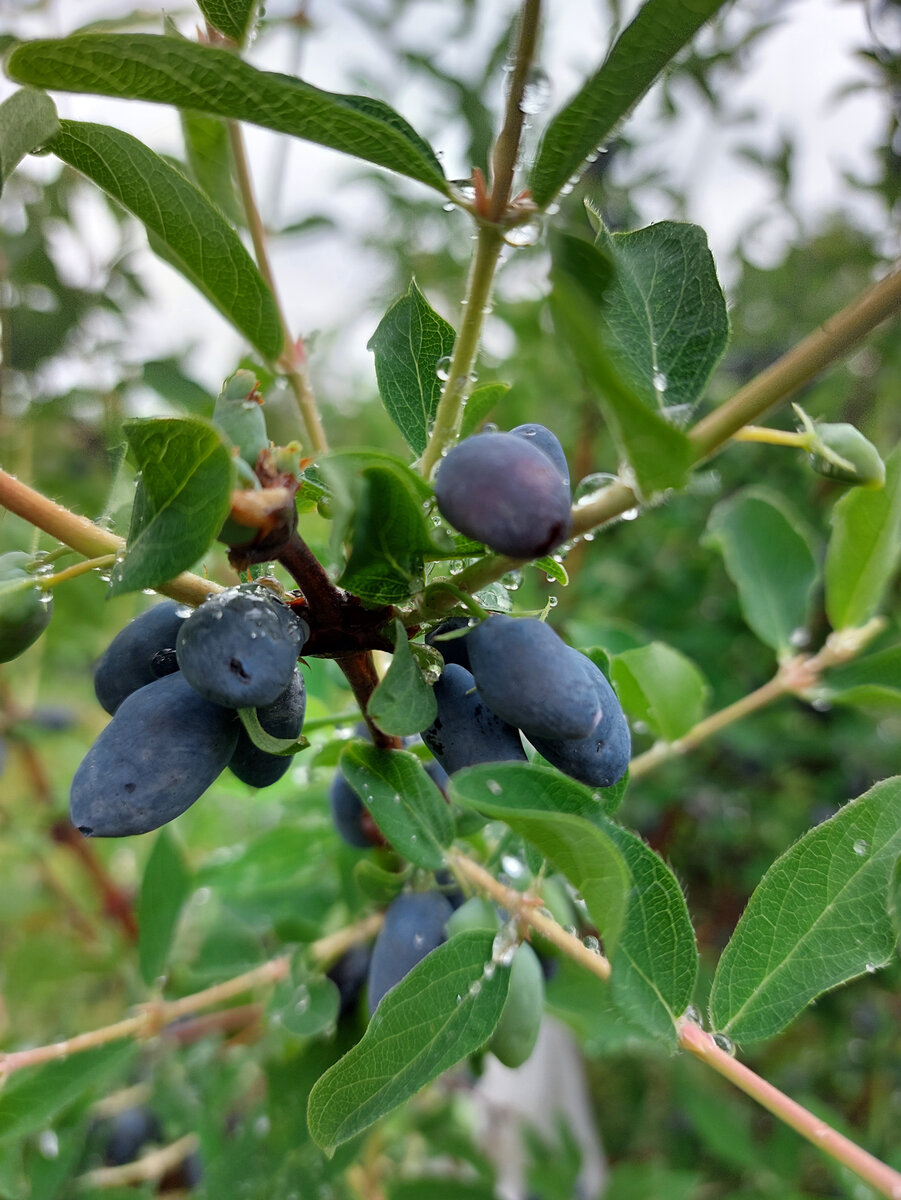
291,364
772,437
877,1174
506,147
153,1017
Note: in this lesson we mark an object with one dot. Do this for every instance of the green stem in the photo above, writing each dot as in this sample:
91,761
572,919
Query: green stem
46,582
489,244
773,437
291,363
506,147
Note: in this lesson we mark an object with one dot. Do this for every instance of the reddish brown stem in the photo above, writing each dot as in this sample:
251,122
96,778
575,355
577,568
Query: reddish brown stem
361,674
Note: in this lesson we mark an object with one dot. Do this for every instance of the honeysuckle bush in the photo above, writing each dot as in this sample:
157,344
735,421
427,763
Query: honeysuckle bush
736,580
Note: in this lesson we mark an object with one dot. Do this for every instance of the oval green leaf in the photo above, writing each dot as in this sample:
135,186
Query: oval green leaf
191,232
27,120
167,70
769,560
446,1008
818,918
165,886
660,686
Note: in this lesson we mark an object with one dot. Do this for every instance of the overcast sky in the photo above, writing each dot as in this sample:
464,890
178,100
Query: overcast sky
800,79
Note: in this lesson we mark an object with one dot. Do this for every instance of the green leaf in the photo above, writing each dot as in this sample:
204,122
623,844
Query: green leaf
191,231
28,120
410,340
33,1097
769,560
659,454
446,1008
893,907
403,703
818,918
164,888
405,803
640,53
663,315
482,400
231,17
660,686
182,499
168,70
864,549
552,569
307,1008
378,509
655,964
210,159
563,820
871,682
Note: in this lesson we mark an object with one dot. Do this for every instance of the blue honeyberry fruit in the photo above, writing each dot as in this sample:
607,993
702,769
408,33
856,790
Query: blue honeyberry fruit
452,650
600,759
548,443
466,731
160,753
530,678
127,1133
128,661
282,719
348,811
240,647
25,610
505,492
414,926
349,976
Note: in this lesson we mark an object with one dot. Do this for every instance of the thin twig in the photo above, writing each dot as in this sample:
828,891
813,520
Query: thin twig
527,909
147,1169
292,363
506,148
796,675
152,1018
877,1174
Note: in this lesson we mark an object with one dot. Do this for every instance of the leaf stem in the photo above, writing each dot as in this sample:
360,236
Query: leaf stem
528,910
795,675
877,1174
47,582
772,437
86,537
292,363
150,1018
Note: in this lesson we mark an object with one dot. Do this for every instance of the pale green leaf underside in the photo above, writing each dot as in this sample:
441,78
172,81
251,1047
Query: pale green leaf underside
410,340
770,562
444,1010
168,70
873,681
864,549
27,120
662,687
194,234
664,313
405,803
643,49
818,918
